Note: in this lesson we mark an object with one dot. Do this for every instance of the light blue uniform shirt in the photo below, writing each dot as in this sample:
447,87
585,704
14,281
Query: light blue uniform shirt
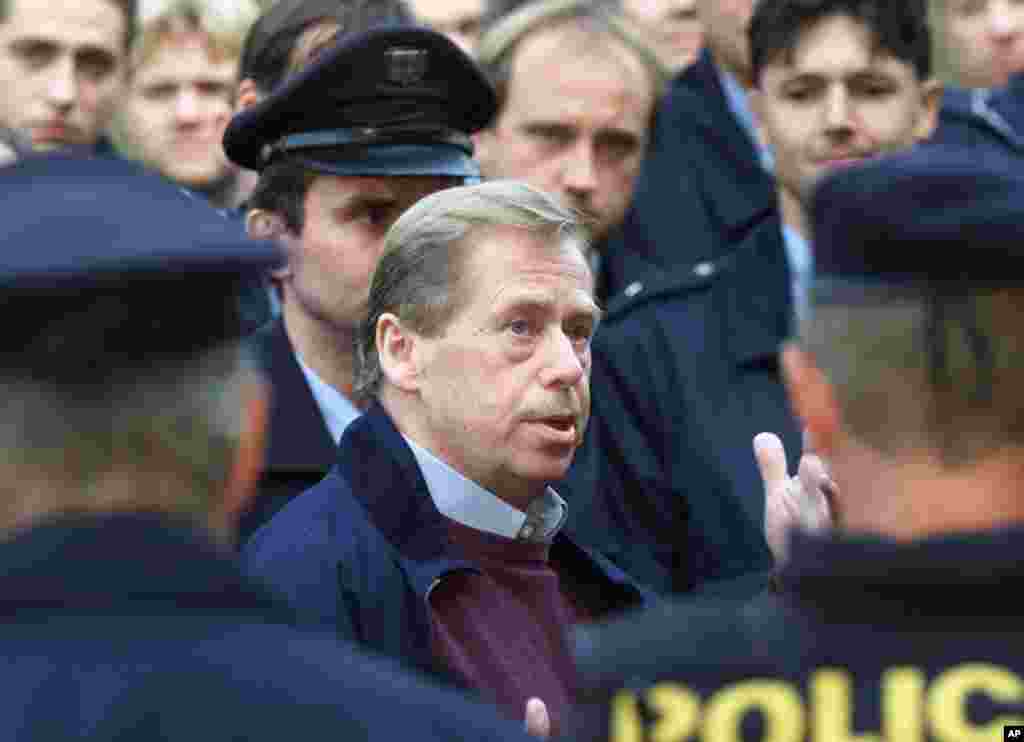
337,410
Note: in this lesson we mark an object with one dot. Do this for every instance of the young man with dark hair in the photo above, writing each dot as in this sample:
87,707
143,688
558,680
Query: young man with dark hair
685,373
62,68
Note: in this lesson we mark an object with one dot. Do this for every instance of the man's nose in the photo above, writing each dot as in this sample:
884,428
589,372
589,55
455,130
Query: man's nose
837,110
62,85
579,174
186,106
1003,20
564,367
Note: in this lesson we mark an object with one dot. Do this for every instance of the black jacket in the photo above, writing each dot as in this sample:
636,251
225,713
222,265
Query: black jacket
685,373
906,641
134,627
700,189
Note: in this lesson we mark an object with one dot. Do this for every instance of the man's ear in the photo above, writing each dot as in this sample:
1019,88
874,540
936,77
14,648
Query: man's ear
397,348
247,95
261,224
931,101
812,398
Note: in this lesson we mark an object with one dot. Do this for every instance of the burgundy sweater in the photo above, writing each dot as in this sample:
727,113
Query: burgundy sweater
504,632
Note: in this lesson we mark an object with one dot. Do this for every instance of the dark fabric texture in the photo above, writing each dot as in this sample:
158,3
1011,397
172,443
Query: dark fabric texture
504,630
853,612
700,189
685,374
134,627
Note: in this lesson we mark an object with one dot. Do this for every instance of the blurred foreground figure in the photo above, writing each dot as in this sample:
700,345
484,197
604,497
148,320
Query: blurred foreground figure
672,27
907,375
130,433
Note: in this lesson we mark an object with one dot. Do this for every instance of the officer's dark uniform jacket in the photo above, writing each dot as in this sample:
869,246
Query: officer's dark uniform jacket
300,449
685,374
908,642
360,552
134,627
982,117
701,187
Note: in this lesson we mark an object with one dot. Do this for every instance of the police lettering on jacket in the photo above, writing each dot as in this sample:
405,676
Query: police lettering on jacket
912,708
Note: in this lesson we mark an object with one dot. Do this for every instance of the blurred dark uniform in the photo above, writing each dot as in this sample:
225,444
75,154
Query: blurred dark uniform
869,638
134,625
389,102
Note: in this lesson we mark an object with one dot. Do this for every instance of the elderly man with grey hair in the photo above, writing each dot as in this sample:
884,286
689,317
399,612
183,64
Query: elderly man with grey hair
436,538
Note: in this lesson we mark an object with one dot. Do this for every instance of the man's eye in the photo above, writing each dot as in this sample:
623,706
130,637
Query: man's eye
798,95
36,54
159,92
520,327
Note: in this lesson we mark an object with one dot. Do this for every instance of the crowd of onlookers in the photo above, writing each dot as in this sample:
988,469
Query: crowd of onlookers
521,286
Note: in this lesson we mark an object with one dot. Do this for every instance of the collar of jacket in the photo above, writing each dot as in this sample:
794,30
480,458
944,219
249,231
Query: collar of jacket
139,563
386,479
298,438
861,576
735,185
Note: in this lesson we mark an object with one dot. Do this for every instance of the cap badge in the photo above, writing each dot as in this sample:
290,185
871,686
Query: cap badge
406,66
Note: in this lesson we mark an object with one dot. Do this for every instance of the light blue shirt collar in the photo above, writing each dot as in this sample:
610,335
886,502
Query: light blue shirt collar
739,104
466,502
801,268
335,407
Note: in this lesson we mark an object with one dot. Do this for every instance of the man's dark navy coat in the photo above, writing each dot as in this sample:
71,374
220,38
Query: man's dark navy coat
360,552
134,627
685,374
701,187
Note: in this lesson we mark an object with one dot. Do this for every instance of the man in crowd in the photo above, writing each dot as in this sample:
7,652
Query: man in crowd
340,160
62,68
181,78
983,39
292,32
673,27
705,167
130,435
575,96
437,537
908,374
686,370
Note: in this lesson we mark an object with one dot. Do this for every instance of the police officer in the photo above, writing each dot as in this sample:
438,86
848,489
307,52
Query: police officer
129,434
378,121
908,376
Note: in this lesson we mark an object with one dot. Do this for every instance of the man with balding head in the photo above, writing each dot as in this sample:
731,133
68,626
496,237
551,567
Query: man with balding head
576,91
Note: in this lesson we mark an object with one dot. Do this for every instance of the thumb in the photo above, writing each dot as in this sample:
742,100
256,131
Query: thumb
771,460
538,723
